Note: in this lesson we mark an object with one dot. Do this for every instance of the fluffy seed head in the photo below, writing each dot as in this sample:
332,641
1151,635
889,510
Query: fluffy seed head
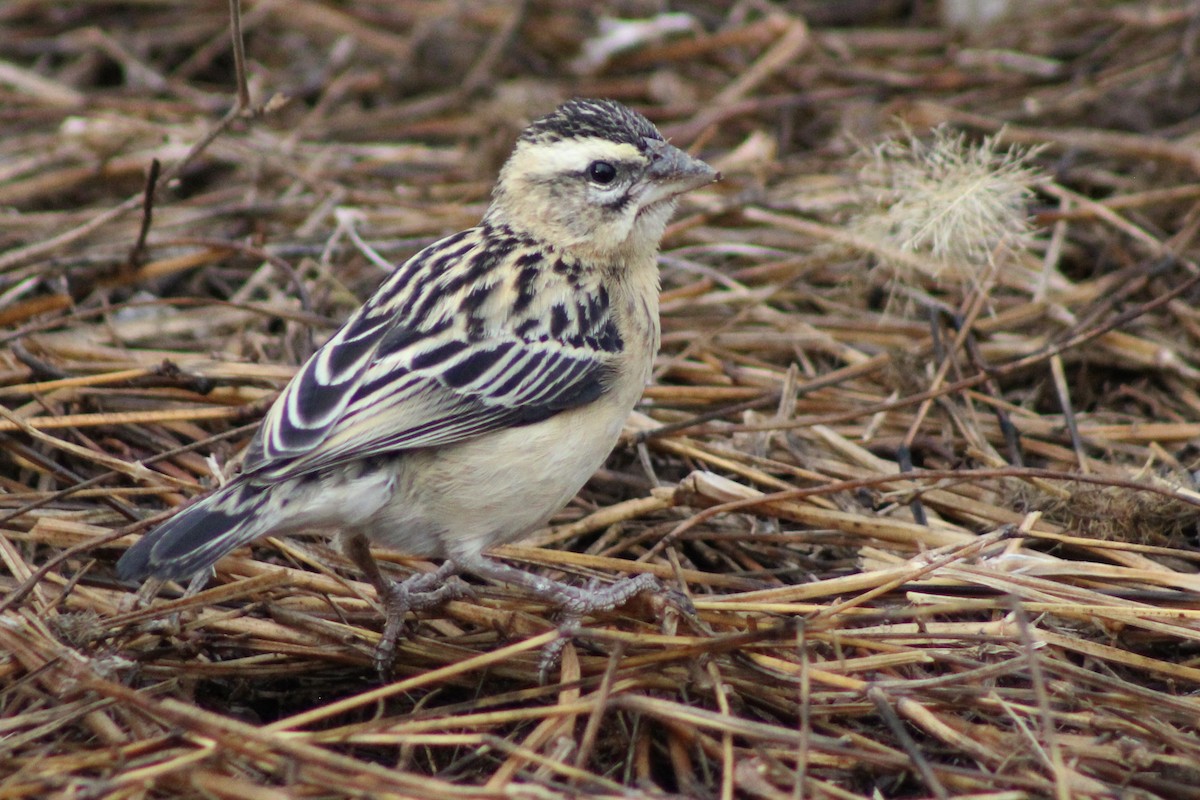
958,205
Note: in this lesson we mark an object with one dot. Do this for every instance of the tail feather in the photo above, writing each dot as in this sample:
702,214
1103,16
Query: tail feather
199,536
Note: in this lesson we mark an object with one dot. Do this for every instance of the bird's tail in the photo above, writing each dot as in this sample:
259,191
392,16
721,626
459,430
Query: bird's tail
197,537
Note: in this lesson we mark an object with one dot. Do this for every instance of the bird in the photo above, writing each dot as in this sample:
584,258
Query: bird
478,388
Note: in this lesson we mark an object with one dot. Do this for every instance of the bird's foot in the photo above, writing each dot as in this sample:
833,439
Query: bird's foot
576,602
417,593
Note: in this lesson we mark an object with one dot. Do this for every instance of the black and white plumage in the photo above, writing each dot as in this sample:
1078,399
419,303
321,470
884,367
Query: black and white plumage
480,386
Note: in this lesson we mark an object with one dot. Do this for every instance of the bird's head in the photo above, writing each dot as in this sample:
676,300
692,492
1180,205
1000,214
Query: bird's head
596,180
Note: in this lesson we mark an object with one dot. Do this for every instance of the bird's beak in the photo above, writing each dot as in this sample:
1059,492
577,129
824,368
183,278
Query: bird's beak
673,172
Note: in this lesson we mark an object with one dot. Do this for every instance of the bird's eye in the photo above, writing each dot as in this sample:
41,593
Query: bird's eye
602,172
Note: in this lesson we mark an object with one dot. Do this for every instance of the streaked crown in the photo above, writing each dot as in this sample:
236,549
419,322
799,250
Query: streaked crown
583,118
595,180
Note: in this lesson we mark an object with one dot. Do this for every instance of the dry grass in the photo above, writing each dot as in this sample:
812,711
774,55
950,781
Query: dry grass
939,526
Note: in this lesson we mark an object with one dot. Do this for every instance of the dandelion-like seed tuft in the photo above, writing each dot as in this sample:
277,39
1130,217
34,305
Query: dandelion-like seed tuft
958,207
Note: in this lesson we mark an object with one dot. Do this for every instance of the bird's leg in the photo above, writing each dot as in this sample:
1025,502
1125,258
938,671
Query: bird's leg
415,593
574,602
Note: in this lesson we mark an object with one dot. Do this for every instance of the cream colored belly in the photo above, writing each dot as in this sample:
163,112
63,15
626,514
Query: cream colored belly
469,497
492,490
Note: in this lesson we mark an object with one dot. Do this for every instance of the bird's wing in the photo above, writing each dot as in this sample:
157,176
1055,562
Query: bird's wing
383,385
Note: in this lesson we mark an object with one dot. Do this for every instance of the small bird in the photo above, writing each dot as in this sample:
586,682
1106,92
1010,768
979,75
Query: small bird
480,386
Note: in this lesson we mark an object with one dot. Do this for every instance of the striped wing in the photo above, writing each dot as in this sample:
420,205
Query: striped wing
382,385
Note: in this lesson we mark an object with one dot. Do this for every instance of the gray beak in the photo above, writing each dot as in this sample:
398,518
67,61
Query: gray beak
675,172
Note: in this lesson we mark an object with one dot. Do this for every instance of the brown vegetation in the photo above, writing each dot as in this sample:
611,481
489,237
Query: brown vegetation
920,446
